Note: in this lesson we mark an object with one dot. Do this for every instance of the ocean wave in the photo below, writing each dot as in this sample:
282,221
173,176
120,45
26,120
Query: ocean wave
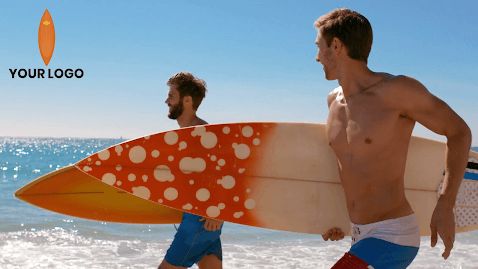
61,248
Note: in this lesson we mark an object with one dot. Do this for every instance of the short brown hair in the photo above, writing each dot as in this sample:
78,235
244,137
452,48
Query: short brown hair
351,27
188,85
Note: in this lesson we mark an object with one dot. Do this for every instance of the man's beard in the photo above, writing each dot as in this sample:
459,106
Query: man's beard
176,110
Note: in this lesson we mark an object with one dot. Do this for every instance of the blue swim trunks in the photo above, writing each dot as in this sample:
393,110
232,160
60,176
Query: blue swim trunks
381,254
192,242
387,244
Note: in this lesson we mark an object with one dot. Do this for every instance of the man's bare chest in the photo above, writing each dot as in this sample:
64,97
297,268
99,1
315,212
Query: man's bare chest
360,127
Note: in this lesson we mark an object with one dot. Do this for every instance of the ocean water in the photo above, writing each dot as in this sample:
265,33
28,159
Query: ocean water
34,238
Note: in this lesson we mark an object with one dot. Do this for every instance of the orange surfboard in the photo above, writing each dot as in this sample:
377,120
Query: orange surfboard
274,175
46,37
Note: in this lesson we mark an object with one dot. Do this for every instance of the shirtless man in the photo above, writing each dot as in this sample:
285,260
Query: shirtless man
370,122
197,239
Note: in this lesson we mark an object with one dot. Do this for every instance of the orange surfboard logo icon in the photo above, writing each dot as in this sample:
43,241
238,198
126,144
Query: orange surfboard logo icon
46,37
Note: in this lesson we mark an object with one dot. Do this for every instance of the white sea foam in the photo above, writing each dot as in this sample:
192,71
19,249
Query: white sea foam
251,248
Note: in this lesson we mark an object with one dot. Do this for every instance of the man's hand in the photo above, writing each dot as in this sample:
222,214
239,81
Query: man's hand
333,234
212,225
443,224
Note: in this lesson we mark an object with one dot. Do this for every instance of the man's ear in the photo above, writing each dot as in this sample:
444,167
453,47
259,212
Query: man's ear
337,45
187,100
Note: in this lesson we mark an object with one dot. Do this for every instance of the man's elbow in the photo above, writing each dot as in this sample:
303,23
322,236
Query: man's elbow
462,134
468,136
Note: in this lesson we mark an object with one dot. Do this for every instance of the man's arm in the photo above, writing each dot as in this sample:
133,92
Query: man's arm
418,104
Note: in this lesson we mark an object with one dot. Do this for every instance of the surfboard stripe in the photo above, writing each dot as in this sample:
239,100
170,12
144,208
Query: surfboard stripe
472,165
471,176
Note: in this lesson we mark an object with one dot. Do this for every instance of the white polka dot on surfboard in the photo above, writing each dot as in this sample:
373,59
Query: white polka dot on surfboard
238,214
131,177
162,173
208,140
142,192
171,138
203,194
250,204
118,150
86,168
137,154
256,141
242,151
247,131
109,179
104,155
213,211
198,131
182,145
227,182
155,153
188,165
188,206
226,130
171,194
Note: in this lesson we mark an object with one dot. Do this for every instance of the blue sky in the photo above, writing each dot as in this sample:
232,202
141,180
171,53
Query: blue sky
257,57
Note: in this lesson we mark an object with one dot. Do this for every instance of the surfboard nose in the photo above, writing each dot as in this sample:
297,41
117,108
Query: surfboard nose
72,192
18,193
37,186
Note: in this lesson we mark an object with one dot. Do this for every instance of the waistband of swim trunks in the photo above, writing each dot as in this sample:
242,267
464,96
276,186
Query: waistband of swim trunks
406,219
402,231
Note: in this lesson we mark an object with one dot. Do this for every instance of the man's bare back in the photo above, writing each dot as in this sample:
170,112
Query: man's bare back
370,137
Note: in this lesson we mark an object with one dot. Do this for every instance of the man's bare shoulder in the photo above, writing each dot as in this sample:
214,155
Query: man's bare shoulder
405,94
401,88
333,95
404,83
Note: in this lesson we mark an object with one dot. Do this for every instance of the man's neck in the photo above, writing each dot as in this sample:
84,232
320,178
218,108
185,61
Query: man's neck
356,77
186,121
189,119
